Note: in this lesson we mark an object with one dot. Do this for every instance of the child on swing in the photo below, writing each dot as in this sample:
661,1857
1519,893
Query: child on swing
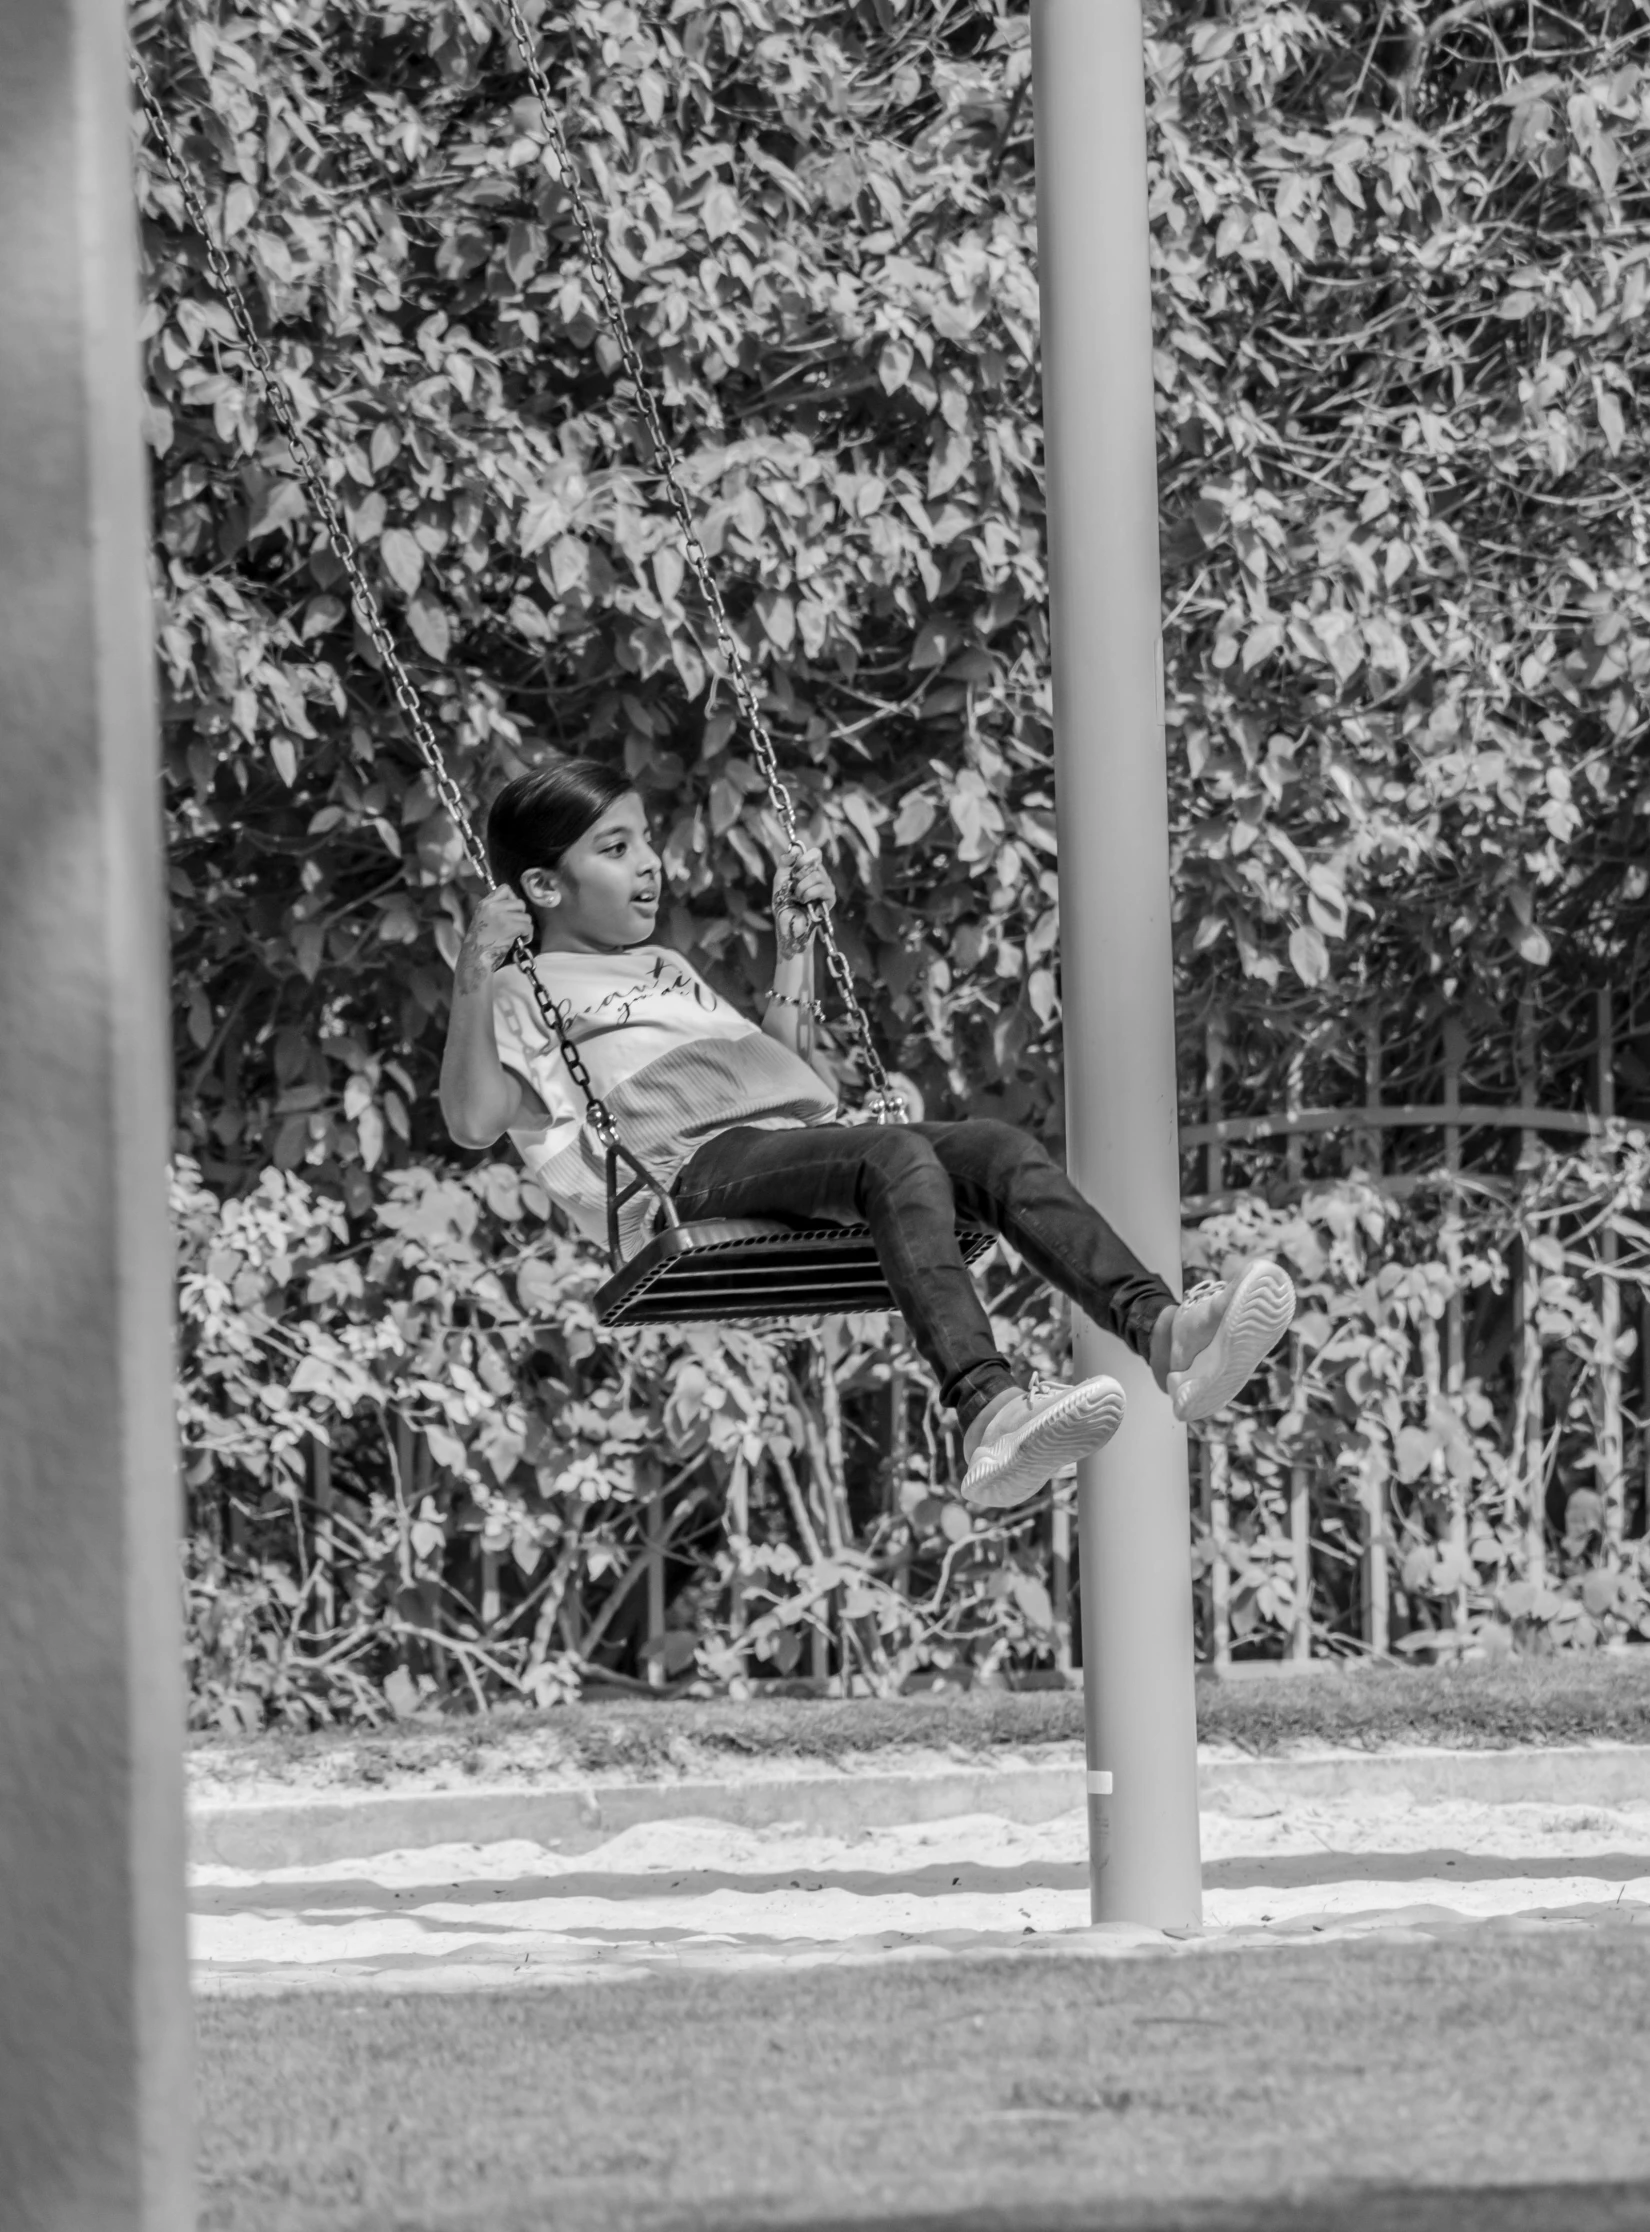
735,1122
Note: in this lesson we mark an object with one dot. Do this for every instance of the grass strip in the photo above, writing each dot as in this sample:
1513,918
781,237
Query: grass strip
1577,1698
1434,2085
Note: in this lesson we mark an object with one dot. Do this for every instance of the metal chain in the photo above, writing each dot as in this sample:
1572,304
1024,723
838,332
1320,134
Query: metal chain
312,472
886,1102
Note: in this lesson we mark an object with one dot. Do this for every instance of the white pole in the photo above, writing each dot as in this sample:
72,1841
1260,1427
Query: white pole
1133,1500
95,2021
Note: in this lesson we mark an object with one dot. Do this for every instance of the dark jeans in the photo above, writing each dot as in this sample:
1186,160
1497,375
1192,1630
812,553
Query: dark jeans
912,1184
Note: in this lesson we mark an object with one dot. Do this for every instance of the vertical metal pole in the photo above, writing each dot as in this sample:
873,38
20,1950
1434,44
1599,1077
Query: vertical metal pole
1220,1551
738,1521
431,1592
95,2023
655,1532
1059,1577
1300,1544
1454,1363
1133,1502
1373,1145
1214,1062
1611,1476
1215,1478
325,1537
1529,1425
1300,1480
1375,1575
1294,1100
409,1601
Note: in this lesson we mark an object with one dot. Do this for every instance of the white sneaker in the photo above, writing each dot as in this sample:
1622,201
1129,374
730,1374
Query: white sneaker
1233,1329
1037,1434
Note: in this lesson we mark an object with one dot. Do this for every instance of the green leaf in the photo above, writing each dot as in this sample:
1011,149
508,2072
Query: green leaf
1261,642
1599,1592
671,1653
430,624
403,562
916,816
894,365
1308,955
281,504
720,213
778,617
1034,1601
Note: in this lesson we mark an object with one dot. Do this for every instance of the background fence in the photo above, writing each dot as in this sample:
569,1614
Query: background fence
1462,1347
1452,1448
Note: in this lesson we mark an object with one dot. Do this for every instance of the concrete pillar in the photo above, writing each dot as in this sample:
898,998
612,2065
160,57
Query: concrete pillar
94,2009
1118,987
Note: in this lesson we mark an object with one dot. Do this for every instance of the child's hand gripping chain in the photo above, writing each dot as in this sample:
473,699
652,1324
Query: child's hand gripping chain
494,929
801,885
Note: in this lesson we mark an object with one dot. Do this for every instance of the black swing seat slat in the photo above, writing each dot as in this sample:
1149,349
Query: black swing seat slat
752,1268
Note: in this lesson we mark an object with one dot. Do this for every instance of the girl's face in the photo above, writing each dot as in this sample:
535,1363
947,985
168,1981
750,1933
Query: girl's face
603,894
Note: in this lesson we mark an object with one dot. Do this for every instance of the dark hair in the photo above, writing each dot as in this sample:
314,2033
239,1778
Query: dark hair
537,816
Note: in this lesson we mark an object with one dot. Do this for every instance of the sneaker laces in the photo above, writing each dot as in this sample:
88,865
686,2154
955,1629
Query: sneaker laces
1202,1291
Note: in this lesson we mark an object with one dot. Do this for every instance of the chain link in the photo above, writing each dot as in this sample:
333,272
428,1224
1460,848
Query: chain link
887,1104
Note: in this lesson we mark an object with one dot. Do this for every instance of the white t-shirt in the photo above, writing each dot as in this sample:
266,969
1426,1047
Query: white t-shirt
675,1064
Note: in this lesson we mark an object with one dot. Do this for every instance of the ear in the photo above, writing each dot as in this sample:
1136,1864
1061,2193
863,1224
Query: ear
541,887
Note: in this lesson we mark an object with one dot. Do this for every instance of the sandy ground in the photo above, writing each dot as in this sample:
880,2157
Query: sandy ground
692,1893
526,1759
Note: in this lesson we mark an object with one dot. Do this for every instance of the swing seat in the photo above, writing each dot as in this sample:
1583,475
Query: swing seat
747,1269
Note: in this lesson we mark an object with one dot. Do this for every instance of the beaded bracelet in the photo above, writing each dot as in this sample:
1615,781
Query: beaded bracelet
815,1008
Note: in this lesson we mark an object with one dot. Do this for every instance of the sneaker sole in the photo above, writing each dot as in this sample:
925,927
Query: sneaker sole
1085,1422
1256,1319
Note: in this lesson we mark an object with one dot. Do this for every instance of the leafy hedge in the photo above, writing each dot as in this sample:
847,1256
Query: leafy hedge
562,1462
1363,1404
759,1472
1401,272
